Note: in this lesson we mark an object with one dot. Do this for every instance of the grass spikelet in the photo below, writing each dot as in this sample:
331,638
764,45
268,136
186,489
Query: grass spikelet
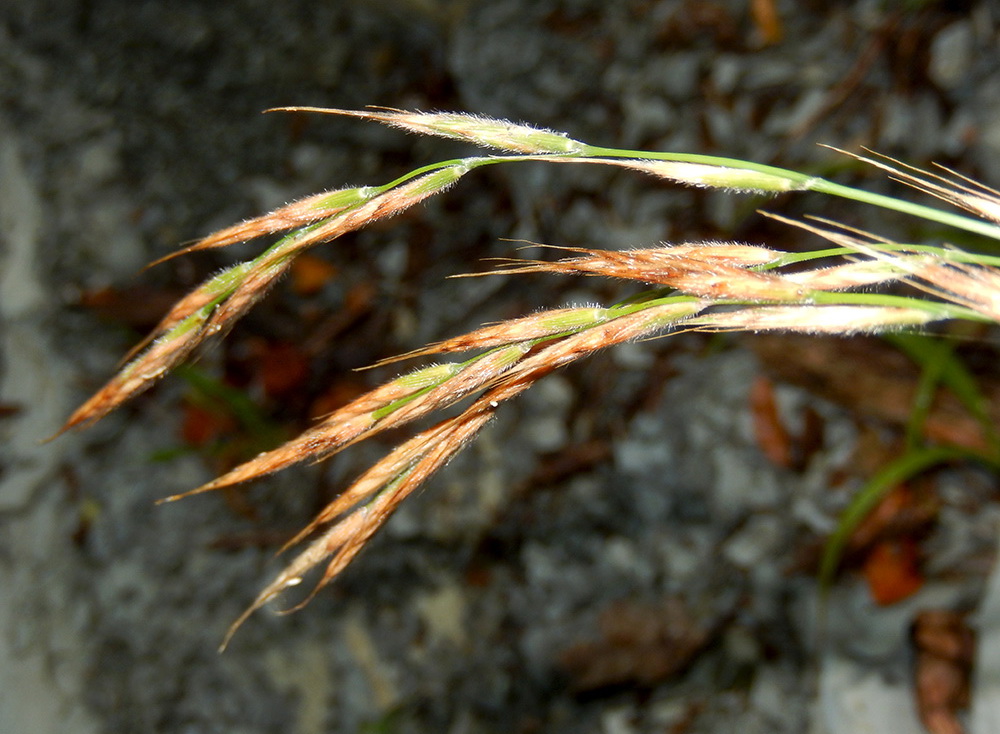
832,319
850,275
527,328
736,180
136,376
300,213
728,253
694,272
403,470
390,480
639,322
977,288
398,402
483,131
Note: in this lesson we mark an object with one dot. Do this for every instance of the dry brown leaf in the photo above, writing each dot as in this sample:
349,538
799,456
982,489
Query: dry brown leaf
640,643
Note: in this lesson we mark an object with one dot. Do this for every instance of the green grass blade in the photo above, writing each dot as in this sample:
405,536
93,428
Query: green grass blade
907,466
941,366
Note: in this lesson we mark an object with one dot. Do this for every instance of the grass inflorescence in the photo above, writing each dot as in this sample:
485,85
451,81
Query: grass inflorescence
705,286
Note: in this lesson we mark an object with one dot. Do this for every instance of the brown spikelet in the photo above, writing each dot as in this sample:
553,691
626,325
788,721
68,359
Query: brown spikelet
362,418
536,326
260,278
199,299
508,385
687,272
628,327
375,478
394,478
323,439
977,288
134,377
972,286
385,204
367,415
728,253
298,214
719,286
397,475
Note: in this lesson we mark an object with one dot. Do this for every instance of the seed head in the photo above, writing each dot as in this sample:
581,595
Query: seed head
477,129
705,176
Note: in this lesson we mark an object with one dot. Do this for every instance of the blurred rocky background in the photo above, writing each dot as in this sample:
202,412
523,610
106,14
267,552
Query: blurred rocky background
633,546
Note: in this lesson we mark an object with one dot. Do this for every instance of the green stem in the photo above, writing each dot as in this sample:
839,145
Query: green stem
943,310
810,183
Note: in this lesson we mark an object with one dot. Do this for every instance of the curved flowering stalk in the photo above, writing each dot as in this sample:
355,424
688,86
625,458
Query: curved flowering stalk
711,286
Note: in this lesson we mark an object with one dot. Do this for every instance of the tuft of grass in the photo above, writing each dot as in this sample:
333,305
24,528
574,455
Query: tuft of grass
703,286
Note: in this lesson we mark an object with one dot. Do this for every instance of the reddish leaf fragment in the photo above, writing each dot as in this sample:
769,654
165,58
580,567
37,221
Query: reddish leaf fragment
766,19
564,464
203,426
772,437
283,368
310,273
892,571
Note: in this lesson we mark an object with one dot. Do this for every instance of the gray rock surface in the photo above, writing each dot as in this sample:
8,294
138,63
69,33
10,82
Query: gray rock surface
128,128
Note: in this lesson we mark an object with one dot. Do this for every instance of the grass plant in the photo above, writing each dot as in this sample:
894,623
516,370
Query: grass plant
702,286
